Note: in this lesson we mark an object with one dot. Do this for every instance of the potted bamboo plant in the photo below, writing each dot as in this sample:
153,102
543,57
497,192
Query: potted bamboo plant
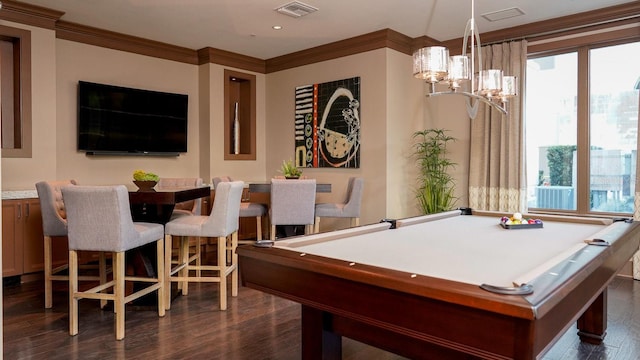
436,186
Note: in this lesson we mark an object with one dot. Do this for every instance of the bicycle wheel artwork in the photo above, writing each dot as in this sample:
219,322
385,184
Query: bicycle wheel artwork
327,124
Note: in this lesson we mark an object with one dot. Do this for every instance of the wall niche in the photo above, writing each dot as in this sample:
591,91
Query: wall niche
239,116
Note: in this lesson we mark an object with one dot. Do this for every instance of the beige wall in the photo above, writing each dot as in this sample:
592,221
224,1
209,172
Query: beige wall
76,61
405,115
246,170
390,112
450,112
21,174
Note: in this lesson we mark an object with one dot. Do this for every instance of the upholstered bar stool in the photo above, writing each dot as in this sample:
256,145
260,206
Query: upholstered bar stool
54,224
187,208
99,219
247,210
292,203
192,207
349,209
220,224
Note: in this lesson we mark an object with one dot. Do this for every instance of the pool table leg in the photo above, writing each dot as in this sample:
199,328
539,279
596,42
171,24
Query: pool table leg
318,341
592,325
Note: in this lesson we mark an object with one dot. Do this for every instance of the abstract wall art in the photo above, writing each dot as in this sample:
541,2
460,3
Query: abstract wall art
327,124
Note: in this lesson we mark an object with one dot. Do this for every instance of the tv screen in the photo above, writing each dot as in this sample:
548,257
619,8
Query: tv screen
120,120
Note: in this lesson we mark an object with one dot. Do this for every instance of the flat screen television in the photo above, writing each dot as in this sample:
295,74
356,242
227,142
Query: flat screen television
124,121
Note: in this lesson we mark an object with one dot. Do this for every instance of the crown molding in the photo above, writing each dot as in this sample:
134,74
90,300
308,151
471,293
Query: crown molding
30,14
228,58
355,45
117,41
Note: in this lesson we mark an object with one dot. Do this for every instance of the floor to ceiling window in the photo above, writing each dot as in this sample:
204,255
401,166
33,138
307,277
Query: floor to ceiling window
581,114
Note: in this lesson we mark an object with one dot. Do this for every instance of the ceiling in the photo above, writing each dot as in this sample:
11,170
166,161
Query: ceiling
245,26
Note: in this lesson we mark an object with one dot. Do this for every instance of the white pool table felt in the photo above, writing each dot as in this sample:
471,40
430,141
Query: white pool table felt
468,249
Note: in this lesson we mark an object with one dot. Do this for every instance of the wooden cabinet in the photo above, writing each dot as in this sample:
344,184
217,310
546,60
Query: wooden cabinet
32,238
12,228
22,239
22,244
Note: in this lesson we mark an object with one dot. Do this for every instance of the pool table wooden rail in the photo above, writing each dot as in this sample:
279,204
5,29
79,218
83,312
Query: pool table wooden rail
426,317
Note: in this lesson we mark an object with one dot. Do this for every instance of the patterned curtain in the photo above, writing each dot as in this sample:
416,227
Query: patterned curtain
497,178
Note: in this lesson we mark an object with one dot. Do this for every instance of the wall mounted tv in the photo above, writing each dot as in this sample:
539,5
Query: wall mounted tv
115,120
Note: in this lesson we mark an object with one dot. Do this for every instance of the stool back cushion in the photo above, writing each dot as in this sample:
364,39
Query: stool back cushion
192,206
293,201
224,217
99,219
54,215
354,200
219,179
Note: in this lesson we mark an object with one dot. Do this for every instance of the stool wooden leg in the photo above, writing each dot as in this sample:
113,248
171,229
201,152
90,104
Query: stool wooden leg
102,274
118,277
258,228
222,269
316,225
73,289
168,245
234,264
273,233
198,257
48,268
160,279
184,259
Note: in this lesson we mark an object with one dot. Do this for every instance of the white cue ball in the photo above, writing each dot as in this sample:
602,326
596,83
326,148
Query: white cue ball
517,216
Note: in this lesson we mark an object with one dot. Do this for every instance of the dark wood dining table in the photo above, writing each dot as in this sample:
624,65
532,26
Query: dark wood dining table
157,206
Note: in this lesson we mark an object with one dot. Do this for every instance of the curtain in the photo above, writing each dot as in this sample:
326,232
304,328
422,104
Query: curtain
636,199
497,178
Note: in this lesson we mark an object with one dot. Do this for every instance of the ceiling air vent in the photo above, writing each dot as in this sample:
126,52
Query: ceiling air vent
296,9
503,14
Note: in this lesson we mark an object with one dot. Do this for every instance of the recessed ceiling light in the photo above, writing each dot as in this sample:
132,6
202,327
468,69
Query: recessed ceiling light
277,27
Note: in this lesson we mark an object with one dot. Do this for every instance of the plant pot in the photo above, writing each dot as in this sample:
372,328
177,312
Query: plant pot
292,177
145,185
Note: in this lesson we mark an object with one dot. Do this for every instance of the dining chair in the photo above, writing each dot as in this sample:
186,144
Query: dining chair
292,203
54,225
99,219
348,209
191,207
220,224
247,210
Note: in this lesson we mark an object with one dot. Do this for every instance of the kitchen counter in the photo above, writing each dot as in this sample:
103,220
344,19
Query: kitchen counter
19,194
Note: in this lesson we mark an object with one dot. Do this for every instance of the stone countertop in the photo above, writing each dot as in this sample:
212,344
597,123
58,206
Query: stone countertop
19,194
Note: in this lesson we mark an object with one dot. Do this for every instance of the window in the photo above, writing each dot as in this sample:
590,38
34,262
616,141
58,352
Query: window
581,126
15,91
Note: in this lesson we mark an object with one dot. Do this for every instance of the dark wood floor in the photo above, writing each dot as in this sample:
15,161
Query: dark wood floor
256,326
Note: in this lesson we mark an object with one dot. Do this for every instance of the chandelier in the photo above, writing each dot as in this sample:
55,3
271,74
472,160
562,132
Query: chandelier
434,65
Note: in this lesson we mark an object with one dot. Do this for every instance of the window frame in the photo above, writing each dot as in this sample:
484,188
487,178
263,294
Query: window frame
583,144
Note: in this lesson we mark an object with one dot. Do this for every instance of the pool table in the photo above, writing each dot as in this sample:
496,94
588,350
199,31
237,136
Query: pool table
447,286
